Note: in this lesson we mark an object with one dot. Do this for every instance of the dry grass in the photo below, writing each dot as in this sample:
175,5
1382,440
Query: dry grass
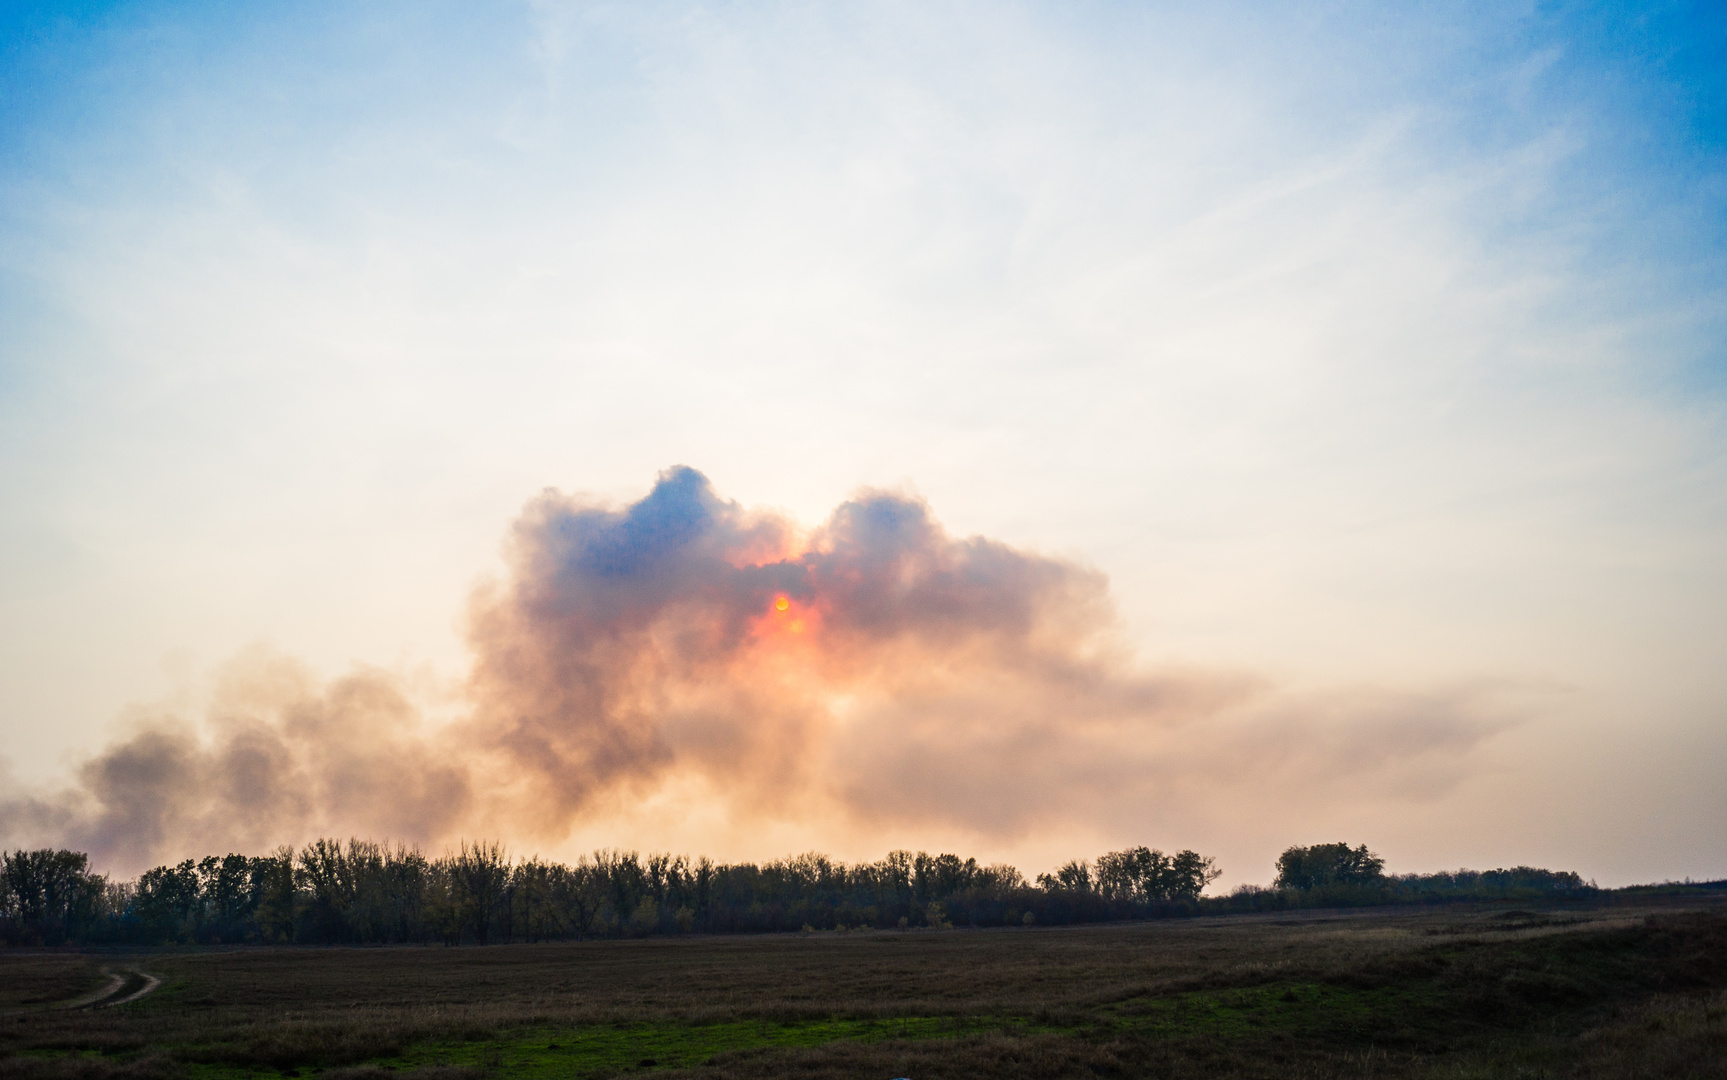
42,979
1587,993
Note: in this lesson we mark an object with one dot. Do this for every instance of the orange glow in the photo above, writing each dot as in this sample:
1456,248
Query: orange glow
788,622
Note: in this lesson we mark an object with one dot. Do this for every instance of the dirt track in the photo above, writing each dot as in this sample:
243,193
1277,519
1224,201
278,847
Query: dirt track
122,987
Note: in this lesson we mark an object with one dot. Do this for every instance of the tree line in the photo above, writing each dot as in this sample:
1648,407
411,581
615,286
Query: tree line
1337,875
362,891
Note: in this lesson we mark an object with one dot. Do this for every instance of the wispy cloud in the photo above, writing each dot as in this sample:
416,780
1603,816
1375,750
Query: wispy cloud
1361,345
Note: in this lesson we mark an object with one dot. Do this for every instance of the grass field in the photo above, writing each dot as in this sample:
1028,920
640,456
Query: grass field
1586,992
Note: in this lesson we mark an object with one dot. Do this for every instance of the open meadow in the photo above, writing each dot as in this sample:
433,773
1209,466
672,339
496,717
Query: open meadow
1587,991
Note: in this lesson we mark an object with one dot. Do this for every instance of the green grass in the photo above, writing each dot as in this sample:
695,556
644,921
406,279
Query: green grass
607,1050
1253,1011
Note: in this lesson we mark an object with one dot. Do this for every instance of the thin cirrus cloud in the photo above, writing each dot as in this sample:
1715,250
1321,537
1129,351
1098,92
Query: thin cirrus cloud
865,675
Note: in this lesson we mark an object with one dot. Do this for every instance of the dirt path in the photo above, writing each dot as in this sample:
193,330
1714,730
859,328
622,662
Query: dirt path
122,987
150,983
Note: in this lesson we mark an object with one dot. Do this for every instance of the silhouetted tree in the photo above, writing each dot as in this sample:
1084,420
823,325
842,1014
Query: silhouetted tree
367,891
1074,876
168,901
272,882
47,896
480,873
325,873
1305,868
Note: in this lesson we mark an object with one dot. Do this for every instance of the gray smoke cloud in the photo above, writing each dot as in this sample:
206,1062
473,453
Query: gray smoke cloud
872,673
278,756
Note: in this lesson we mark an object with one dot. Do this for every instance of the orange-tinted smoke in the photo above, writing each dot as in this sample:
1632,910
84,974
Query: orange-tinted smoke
871,675
629,643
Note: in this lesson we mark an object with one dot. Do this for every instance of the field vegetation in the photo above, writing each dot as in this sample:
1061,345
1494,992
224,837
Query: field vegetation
1605,987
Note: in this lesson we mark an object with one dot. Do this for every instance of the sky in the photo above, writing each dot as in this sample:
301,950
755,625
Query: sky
1208,426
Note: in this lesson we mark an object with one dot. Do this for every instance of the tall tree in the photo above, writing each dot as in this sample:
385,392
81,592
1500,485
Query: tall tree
1307,868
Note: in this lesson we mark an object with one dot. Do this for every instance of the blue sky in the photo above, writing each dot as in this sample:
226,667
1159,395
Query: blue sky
1366,350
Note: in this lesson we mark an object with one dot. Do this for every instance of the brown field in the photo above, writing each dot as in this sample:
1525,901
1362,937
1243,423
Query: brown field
1614,991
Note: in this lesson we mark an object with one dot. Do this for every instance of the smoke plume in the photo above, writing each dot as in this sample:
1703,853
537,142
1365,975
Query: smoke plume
872,673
